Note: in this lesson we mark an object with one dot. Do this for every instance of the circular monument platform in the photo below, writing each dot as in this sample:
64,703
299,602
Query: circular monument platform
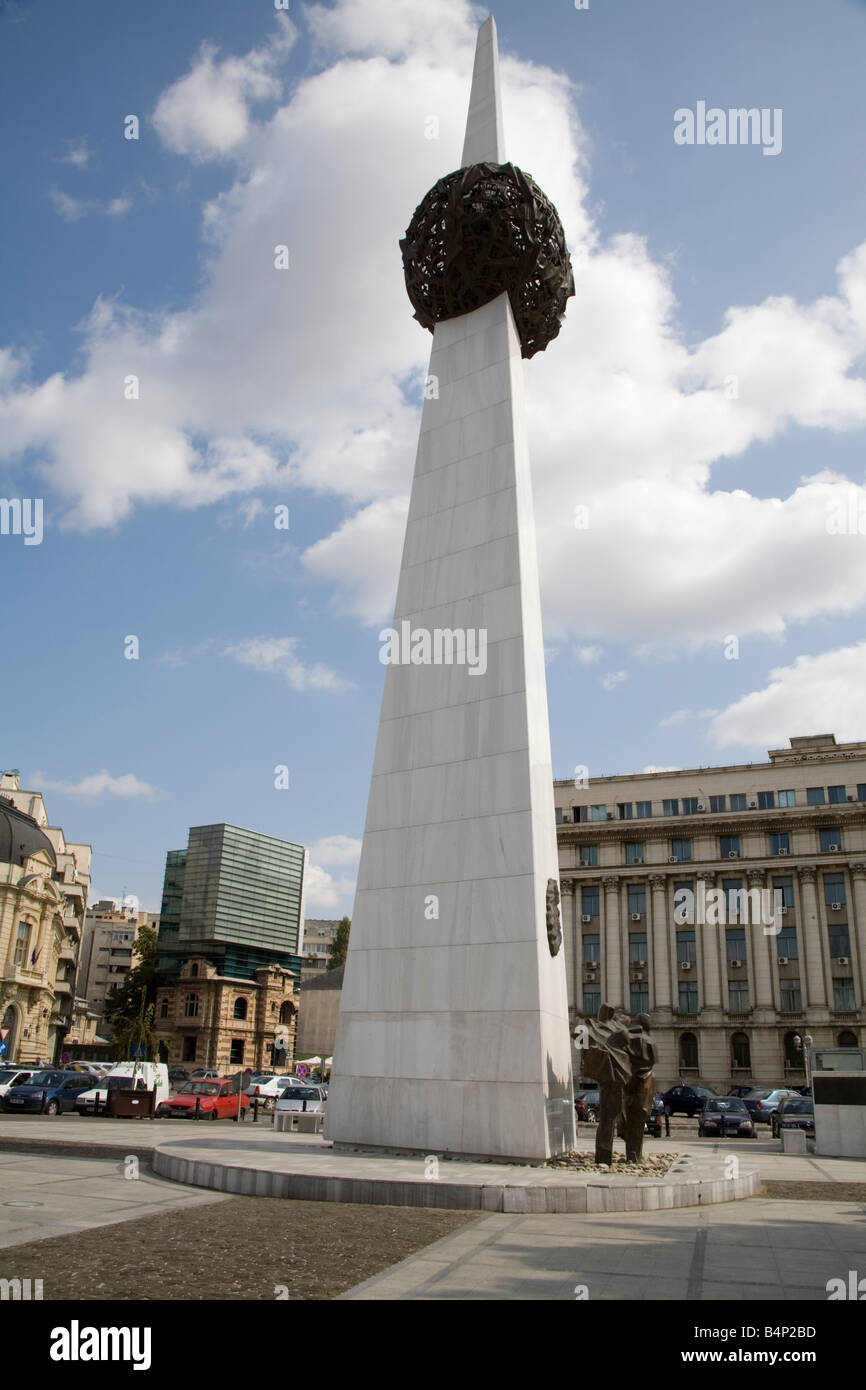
307,1168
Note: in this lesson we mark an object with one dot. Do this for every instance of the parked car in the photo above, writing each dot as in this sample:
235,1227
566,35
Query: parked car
205,1074
726,1116
15,1076
93,1069
687,1100
762,1102
48,1092
270,1087
300,1098
586,1104
213,1098
740,1091
794,1112
124,1076
655,1118
177,1074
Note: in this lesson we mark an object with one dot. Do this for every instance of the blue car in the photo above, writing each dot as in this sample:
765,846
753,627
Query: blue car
47,1092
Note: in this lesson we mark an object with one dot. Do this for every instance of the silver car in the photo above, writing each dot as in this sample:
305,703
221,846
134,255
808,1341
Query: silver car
294,1098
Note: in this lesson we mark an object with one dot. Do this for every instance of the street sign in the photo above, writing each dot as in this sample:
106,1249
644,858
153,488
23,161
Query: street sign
4,1033
2,1049
301,1070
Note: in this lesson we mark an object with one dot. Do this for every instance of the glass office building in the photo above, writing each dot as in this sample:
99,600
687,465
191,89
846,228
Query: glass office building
234,896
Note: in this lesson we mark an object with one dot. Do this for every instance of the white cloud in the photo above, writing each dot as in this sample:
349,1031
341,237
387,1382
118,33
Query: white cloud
70,209
679,716
205,114
336,849
814,695
613,679
322,893
118,207
588,655
98,784
656,767
77,153
276,655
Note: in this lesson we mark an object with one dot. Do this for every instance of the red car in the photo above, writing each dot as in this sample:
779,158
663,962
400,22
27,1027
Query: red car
214,1099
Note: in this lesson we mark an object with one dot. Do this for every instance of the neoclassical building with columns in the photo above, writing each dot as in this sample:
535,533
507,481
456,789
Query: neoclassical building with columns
729,903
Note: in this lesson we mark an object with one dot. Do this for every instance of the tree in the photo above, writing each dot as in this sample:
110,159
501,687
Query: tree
340,945
127,1005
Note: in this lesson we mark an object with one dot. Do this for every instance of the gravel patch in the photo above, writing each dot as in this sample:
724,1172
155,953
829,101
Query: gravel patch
239,1248
651,1166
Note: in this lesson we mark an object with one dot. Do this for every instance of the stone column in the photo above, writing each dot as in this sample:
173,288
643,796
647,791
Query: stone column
816,992
611,944
763,950
660,943
708,936
857,928
571,940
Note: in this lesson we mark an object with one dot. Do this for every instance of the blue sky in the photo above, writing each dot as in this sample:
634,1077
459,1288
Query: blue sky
153,257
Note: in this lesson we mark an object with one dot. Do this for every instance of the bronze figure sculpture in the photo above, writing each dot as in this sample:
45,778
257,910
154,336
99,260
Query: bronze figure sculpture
619,1056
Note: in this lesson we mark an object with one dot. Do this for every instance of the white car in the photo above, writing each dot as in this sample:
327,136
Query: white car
139,1076
294,1098
270,1088
16,1076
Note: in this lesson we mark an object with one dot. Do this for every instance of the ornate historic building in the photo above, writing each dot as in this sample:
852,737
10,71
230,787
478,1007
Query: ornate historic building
204,1019
44,882
729,903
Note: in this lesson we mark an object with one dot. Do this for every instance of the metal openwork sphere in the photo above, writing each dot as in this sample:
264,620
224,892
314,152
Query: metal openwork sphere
481,231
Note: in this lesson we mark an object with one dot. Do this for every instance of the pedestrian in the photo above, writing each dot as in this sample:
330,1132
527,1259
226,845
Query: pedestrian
667,1122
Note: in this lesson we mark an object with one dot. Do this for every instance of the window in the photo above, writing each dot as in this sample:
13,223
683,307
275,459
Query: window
690,805
189,1046
843,994
831,840
835,795
786,943
634,853
591,1001
766,801
637,948
589,856
686,951
22,942
193,970
645,808
559,815
589,900
834,889
240,1011
735,942
847,1039
861,791
787,798
190,1006
580,814
163,1008
670,808
785,886
780,842
814,796
791,1001
237,1049
728,845
738,801
625,810
689,1052
637,897
793,1048
681,850
741,1055
639,997
598,813
591,948
840,943
738,996
718,803
732,888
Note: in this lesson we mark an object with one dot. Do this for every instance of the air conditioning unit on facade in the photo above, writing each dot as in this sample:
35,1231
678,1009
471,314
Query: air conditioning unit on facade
638,859
753,805
636,916
733,854
591,977
836,907
784,909
701,806
672,859
610,815
737,964
783,960
833,849
566,820
850,798
781,851
842,960
585,917
686,964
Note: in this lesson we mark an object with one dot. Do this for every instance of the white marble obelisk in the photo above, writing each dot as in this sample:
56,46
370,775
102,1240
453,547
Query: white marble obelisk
453,1031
